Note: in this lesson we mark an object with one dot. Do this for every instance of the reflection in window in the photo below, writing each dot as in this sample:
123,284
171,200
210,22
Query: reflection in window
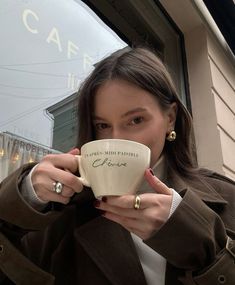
47,49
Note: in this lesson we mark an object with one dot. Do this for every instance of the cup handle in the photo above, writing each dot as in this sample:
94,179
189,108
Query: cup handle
83,178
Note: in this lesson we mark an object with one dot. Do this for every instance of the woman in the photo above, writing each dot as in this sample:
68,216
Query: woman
182,229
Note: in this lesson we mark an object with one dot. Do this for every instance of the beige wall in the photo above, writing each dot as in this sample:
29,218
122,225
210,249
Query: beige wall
223,90
211,83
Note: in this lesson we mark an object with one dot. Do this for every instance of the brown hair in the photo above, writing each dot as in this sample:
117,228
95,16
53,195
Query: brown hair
141,67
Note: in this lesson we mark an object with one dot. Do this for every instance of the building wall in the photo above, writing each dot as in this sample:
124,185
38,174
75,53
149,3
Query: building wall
203,103
64,114
211,85
223,91
64,131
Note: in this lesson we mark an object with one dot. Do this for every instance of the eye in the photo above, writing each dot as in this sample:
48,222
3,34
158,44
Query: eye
101,126
137,120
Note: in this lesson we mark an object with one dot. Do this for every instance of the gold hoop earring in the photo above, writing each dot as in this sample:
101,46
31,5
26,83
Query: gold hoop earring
172,136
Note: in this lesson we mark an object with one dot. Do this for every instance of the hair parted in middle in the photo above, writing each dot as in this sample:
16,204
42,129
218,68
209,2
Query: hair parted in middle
141,67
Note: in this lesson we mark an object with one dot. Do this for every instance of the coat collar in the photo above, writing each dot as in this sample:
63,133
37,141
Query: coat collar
98,237
201,187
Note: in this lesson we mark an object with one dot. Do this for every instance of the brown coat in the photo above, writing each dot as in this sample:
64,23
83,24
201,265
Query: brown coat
75,245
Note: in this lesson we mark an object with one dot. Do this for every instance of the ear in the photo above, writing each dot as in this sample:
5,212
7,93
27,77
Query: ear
171,117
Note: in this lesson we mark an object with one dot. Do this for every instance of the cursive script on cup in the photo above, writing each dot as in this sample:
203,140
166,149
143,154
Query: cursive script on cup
108,162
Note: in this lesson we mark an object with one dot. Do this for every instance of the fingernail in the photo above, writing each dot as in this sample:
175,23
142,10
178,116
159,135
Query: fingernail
96,203
104,199
151,171
74,151
75,148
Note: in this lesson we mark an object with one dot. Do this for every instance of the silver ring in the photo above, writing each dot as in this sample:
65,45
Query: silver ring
137,202
58,187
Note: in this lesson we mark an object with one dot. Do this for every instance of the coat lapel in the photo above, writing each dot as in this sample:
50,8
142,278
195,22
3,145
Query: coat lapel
119,263
206,192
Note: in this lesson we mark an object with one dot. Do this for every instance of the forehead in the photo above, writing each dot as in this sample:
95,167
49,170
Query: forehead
120,96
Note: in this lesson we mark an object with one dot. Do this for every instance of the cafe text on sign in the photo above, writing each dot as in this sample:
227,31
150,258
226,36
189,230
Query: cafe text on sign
53,35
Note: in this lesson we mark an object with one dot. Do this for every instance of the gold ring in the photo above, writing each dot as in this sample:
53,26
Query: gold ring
137,202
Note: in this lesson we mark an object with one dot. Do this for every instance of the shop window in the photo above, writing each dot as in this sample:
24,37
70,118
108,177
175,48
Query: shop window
47,49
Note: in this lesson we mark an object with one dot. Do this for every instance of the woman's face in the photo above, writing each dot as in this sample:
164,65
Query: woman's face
125,111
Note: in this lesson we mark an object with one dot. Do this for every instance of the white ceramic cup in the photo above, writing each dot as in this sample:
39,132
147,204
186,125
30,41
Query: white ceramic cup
113,166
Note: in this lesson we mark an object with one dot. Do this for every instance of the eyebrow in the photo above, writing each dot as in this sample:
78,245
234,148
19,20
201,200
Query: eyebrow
133,111
130,112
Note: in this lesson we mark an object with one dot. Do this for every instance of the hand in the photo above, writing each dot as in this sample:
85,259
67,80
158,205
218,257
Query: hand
57,167
153,213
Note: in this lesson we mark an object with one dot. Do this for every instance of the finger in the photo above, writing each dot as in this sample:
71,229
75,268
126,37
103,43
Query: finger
124,205
156,184
45,192
74,151
123,202
54,197
128,201
126,222
67,192
68,179
63,161
120,211
132,225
